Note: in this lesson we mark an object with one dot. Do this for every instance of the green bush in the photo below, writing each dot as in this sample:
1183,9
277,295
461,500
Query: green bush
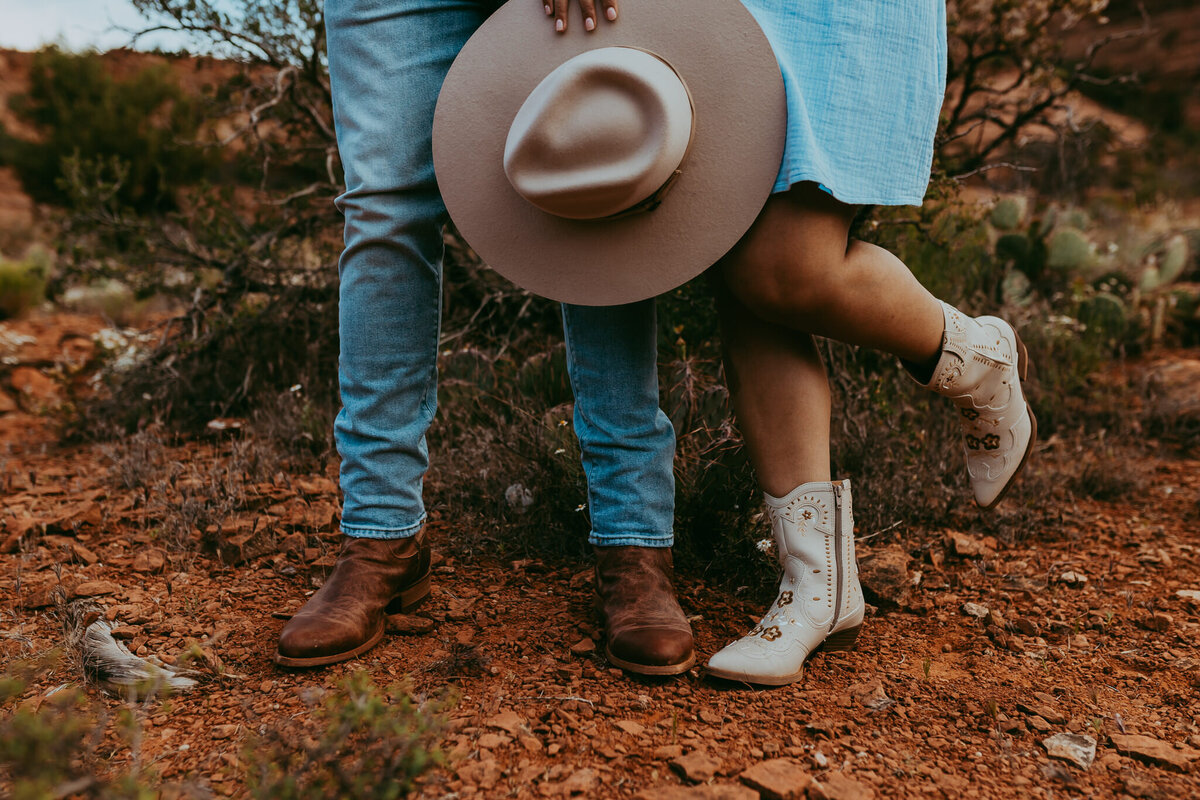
23,283
145,125
364,742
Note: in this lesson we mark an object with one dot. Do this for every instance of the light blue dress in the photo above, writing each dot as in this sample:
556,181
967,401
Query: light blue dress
864,82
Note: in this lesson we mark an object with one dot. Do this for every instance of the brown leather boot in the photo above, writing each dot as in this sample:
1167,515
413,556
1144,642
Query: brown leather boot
346,617
646,630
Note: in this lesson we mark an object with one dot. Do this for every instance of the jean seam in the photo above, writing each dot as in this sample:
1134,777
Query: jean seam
580,408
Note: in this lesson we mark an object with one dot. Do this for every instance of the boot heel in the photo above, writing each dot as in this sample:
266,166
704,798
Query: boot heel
842,640
410,598
1022,358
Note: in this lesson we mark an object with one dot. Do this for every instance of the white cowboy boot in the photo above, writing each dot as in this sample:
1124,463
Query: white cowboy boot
820,602
981,367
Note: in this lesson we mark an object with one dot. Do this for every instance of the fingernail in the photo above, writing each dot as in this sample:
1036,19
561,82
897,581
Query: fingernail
611,13
559,25
589,24
549,10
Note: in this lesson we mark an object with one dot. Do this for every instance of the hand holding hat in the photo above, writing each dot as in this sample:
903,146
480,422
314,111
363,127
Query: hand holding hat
610,166
558,10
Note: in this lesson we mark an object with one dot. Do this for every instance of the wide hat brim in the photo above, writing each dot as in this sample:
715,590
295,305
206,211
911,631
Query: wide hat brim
737,146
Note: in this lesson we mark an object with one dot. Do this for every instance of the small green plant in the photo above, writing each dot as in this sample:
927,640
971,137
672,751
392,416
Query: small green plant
364,742
53,748
926,667
23,283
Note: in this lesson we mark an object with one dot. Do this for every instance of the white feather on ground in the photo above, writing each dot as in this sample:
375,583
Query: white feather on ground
109,662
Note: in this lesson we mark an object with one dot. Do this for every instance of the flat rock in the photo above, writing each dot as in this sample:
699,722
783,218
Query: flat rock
838,786
711,791
1073,578
631,727
96,588
1075,748
976,610
1173,389
1189,596
968,546
152,560
583,647
885,576
1158,621
777,779
490,741
697,766
508,721
1155,751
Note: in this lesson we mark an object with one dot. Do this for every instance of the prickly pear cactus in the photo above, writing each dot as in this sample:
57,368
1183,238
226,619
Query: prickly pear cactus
1009,212
1174,259
1069,250
1104,316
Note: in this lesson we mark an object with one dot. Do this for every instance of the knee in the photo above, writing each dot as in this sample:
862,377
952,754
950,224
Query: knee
785,283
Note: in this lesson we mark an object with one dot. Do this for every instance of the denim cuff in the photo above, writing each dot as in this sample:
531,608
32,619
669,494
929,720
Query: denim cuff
598,539
406,532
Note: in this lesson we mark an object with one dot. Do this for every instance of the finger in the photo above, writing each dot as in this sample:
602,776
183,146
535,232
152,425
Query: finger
610,9
560,15
549,9
588,7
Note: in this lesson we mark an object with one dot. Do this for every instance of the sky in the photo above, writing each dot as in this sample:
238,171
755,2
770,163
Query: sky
74,24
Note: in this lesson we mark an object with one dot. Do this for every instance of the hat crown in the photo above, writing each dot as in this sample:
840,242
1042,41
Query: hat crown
601,133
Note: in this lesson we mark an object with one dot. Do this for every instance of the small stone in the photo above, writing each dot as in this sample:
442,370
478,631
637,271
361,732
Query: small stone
1076,748
975,610
7,404
96,588
1045,712
1040,725
630,727
885,576
697,766
125,631
837,786
83,554
1159,621
583,647
668,751
1025,627
531,743
405,625
1140,787
223,731
581,782
1079,642
1154,751
1073,579
490,741
777,779
1189,596
507,721
152,560
968,546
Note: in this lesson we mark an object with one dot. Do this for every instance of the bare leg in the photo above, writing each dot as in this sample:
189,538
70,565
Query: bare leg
780,395
797,267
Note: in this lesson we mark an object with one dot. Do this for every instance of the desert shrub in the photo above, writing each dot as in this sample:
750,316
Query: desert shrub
23,282
57,747
139,129
364,741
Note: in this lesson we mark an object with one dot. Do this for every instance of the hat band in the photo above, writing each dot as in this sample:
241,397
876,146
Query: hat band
656,198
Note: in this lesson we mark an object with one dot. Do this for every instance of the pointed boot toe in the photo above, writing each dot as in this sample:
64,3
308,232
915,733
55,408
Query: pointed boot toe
820,602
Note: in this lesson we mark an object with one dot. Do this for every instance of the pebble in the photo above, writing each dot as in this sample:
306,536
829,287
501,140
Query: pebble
712,791
1074,579
777,779
975,610
837,786
1075,748
697,766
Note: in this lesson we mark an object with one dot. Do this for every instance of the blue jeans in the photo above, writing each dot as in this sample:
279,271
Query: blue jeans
387,60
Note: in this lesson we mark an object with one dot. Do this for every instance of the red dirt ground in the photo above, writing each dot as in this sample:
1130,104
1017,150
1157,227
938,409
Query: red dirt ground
934,702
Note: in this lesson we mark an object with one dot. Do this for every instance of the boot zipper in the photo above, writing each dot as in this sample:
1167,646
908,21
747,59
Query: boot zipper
837,543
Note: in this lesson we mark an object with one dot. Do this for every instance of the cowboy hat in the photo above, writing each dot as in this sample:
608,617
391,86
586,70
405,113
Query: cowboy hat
609,166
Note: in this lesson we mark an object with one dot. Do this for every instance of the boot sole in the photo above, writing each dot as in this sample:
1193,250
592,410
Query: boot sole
650,669
406,601
1022,373
842,640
